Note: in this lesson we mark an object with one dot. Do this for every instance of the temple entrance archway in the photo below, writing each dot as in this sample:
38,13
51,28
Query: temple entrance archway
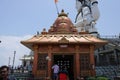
67,61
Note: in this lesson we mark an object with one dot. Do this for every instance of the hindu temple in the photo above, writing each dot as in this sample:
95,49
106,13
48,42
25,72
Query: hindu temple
64,45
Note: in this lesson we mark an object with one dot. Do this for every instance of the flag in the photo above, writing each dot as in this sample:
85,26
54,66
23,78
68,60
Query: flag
56,1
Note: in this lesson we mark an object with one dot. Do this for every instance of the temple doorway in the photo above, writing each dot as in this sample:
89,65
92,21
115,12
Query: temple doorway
67,61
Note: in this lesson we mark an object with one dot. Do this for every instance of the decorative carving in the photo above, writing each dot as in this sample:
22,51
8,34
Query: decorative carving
63,40
44,31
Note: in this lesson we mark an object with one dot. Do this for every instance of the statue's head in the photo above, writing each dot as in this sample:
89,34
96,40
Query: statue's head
84,2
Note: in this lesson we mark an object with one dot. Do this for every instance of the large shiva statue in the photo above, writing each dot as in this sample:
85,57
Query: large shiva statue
88,14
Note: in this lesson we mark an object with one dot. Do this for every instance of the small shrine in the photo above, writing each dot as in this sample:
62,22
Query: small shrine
64,45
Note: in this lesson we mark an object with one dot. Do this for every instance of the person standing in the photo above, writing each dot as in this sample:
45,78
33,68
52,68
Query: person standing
55,68
63,74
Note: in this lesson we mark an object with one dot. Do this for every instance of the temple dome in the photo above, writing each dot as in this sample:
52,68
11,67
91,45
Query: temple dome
63,24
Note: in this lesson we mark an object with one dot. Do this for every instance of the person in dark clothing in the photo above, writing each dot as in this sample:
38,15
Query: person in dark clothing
63,74
4,71
0,74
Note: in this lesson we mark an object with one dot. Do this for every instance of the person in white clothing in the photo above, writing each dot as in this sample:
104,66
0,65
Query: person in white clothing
55,68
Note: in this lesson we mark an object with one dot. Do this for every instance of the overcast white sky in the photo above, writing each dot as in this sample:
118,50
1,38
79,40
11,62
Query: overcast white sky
21,19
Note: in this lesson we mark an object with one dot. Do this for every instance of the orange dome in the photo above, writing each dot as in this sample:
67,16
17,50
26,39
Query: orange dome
62,24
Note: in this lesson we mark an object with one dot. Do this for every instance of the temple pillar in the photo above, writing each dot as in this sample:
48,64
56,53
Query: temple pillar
49,61
35,49
92,62
77,61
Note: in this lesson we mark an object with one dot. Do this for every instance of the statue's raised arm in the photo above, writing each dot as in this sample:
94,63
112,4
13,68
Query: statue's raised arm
88,14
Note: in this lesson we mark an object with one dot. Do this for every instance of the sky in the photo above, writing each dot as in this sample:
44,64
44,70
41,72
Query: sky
21,19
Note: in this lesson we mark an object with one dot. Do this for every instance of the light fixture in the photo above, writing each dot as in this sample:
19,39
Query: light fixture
63,45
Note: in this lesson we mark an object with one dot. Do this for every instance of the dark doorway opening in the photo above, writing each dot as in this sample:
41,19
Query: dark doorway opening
67,61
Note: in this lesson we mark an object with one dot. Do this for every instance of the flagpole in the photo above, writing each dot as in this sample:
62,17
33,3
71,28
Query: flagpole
56,8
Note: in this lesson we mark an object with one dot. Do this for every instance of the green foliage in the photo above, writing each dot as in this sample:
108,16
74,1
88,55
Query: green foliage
91,78
97,78
102,78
